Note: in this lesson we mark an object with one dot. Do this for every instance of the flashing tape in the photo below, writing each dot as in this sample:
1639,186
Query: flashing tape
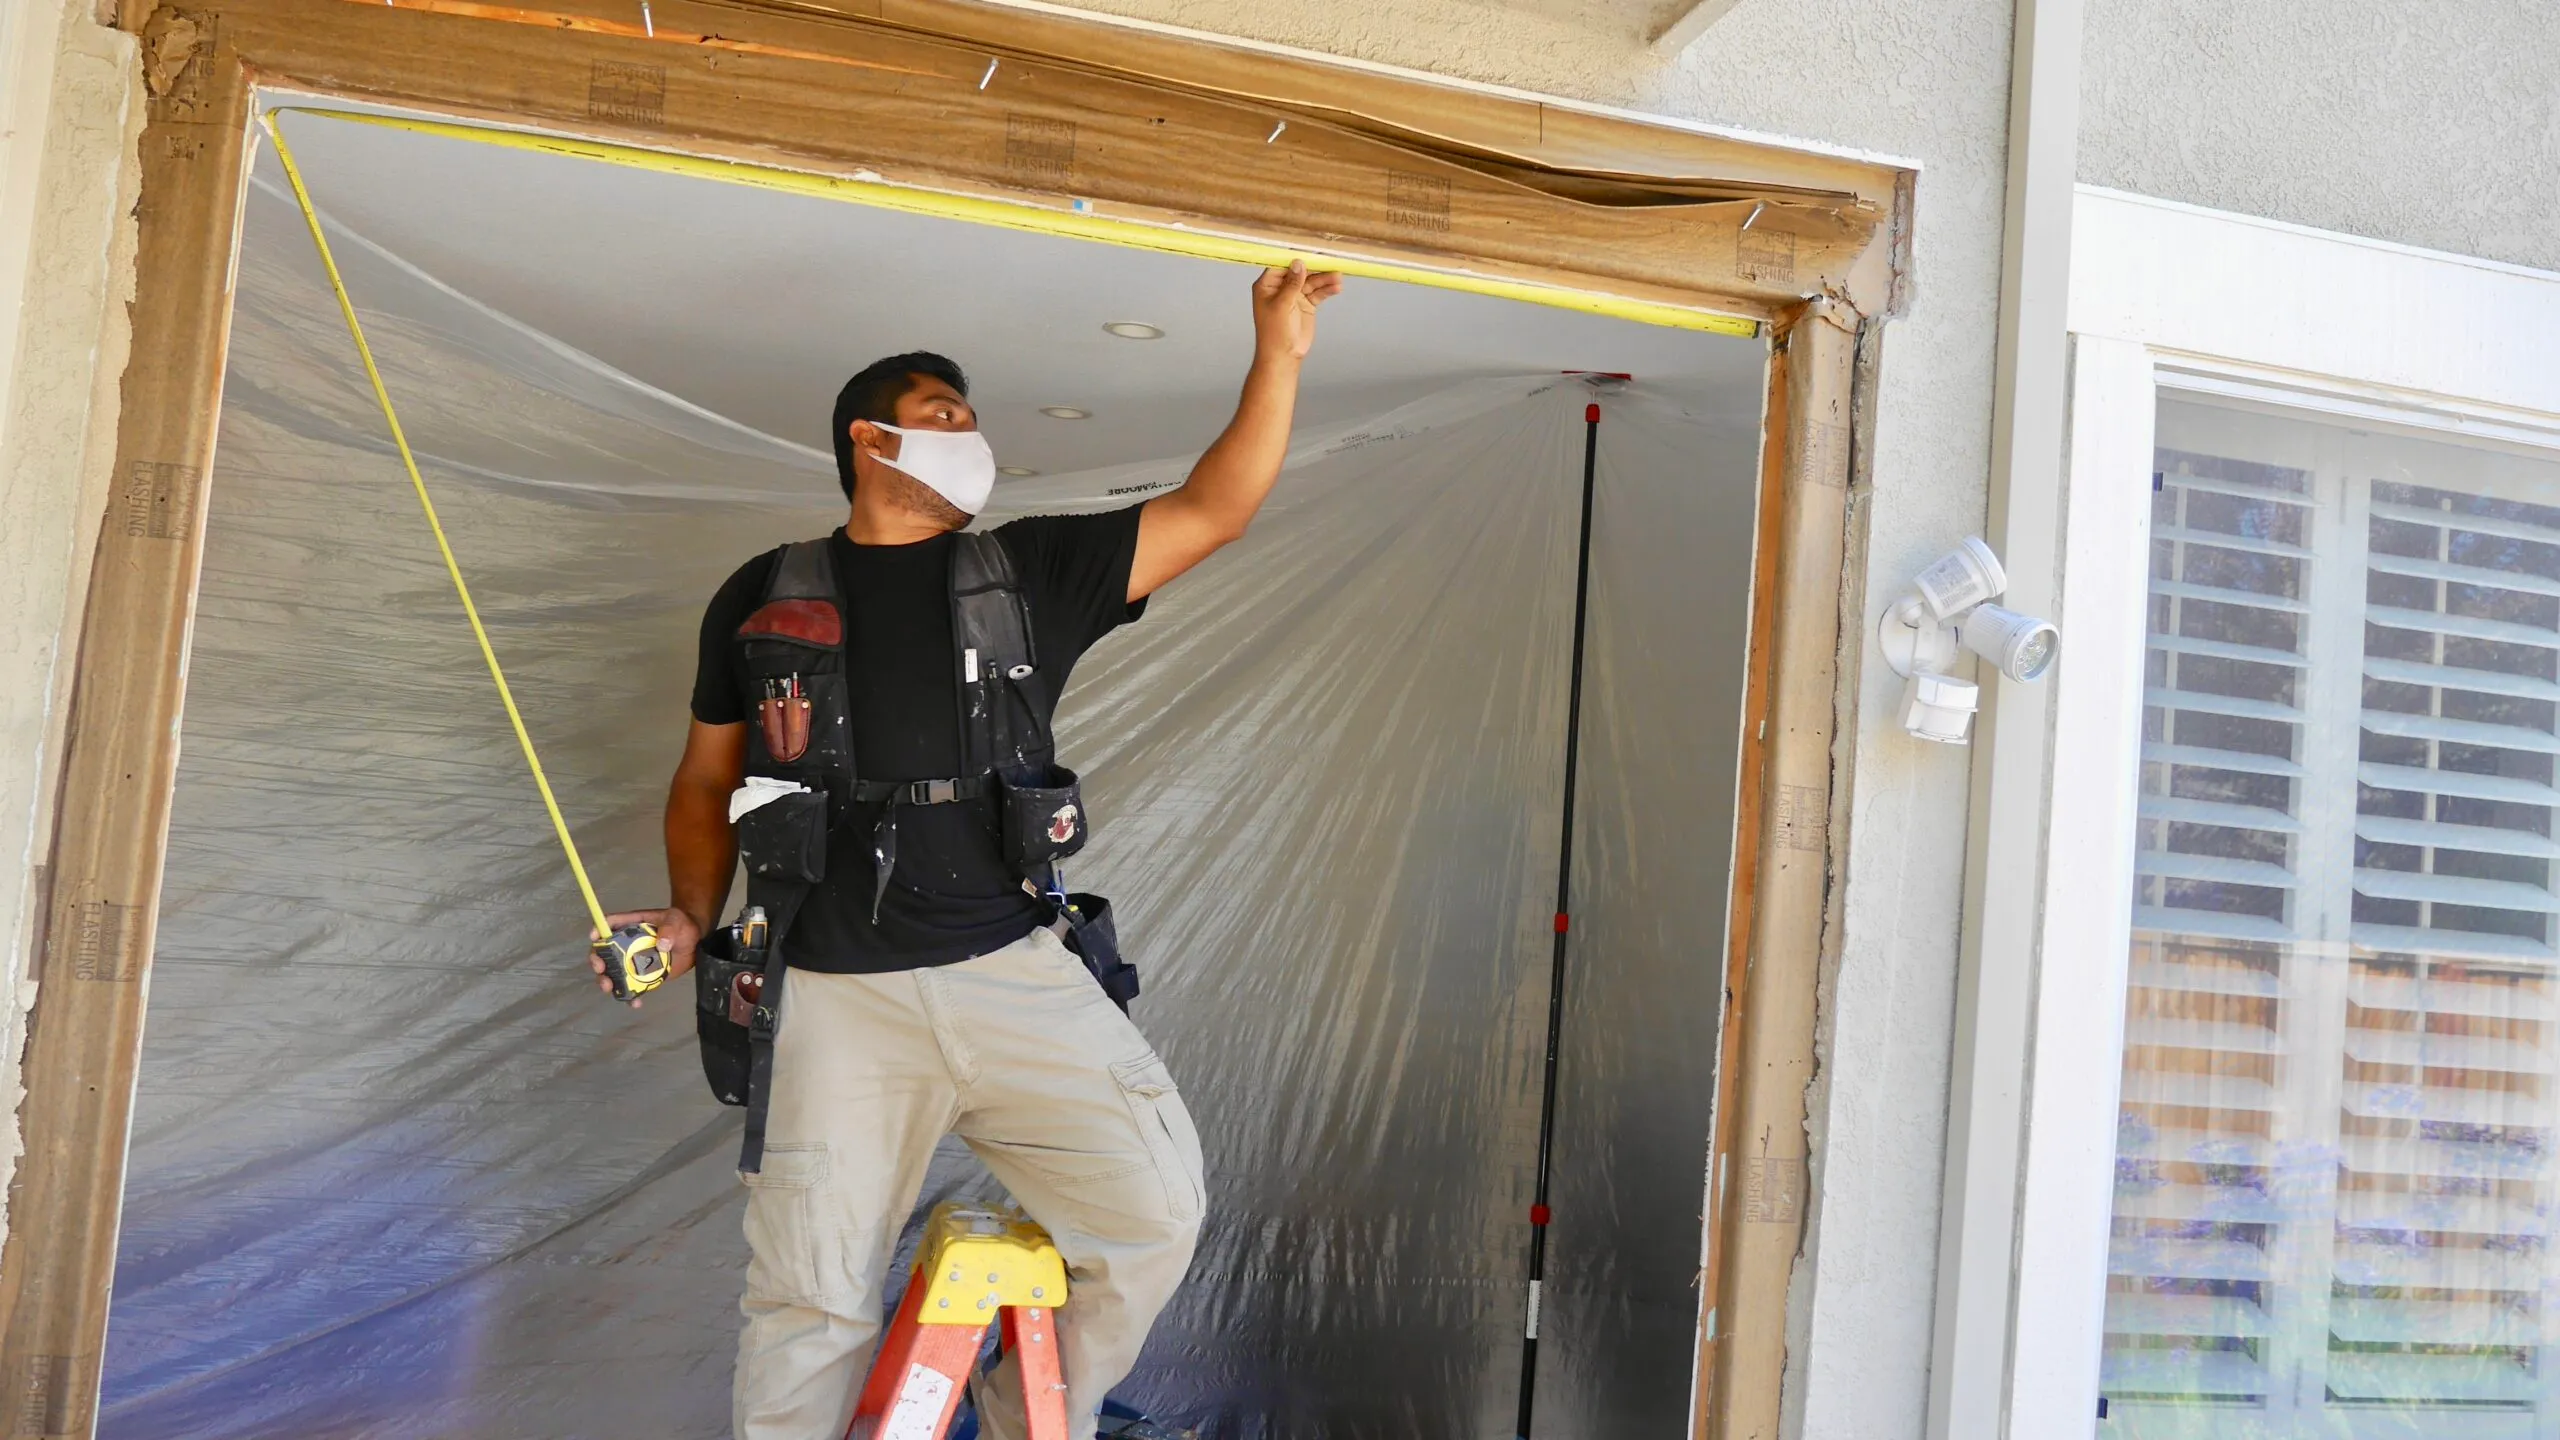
1040,219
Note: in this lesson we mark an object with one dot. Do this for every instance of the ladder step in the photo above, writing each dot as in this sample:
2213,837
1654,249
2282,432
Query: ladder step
975,1267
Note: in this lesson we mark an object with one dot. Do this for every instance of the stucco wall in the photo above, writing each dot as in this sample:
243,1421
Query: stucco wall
66,271
1921,79
2435,125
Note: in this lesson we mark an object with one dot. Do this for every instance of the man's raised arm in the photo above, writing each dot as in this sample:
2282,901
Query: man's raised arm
1178,531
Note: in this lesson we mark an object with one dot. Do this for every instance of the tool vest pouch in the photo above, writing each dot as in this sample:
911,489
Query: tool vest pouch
727,1057
786,838
1096,942
1043,815
783,723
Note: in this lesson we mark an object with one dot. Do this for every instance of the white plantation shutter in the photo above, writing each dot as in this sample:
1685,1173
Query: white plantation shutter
2338,1152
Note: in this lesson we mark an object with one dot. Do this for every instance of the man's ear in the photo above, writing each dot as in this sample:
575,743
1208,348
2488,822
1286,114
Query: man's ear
868,436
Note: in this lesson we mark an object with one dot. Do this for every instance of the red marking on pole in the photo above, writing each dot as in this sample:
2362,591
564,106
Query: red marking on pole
1591,414
1561,922
1539,1215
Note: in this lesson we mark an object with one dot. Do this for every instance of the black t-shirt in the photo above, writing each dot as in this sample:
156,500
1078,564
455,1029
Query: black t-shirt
952,895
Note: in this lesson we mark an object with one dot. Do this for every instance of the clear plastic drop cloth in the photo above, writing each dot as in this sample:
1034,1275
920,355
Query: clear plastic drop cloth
397,1171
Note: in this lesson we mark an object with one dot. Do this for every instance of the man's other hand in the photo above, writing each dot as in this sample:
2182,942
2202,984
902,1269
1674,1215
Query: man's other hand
1284,309
678,933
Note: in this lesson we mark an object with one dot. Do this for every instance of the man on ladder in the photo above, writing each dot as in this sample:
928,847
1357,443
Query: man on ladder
938,979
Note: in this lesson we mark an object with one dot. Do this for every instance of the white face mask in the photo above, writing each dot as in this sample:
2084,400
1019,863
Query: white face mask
954,464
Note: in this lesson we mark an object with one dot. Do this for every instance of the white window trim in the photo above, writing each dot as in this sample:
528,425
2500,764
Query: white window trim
2164,295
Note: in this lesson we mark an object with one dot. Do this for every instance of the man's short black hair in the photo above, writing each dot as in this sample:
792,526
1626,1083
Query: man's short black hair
873,394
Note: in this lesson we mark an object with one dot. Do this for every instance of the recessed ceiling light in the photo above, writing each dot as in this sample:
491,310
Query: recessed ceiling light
1065,412
1018,472
1134,330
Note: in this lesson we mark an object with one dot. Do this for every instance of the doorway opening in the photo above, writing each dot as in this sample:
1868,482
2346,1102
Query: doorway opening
1325,768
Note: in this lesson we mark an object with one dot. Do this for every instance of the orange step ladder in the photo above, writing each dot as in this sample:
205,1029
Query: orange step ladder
974,1267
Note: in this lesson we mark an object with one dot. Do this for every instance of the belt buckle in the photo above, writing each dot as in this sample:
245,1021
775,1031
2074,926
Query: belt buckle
931,792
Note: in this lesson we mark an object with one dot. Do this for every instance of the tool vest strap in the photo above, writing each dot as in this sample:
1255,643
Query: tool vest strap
798,632
1006,703
921,792
765,1024
805,571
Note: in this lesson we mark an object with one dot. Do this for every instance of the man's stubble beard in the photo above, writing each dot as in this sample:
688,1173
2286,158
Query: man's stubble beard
908,493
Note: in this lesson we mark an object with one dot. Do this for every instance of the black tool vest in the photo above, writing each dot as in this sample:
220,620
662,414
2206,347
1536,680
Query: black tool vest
791,662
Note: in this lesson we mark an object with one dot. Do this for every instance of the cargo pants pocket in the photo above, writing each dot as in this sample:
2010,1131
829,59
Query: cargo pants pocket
1164,1127
788,1253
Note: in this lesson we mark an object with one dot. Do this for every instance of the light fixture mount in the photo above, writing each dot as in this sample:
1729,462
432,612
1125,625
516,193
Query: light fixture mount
1133,330
1065,412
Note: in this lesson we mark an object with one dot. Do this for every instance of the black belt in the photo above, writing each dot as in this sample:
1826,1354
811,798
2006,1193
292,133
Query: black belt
920,792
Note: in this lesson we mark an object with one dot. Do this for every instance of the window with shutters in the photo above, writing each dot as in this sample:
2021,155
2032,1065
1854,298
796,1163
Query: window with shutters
2337,1155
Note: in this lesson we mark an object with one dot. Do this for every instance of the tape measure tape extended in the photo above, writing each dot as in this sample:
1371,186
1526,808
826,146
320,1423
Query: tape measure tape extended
426,503
1079,223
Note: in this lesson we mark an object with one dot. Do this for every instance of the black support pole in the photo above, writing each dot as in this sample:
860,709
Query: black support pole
1538,1214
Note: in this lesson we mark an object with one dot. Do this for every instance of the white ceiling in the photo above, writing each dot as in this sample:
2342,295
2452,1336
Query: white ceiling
758,304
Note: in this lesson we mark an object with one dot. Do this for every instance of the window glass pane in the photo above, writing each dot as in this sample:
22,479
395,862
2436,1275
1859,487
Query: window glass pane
2336,1158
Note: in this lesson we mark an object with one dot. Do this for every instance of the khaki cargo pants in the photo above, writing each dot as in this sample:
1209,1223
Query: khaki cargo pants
1024,1057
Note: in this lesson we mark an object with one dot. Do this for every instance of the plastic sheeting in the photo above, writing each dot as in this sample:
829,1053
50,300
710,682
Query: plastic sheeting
397,1172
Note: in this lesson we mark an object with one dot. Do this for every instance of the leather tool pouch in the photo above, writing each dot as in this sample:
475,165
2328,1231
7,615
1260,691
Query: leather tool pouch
1043,816
1096,941
786,838
718,1024
783,721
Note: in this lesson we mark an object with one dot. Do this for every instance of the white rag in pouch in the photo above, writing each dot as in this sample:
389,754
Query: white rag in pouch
761,790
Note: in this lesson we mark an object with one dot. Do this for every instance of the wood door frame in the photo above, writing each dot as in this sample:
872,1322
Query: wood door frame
1135,121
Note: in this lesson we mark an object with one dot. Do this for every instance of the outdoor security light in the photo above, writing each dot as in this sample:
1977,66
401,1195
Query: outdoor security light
1948,612
2021,647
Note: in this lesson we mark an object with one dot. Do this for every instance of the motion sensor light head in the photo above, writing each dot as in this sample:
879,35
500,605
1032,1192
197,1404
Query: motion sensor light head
2021,647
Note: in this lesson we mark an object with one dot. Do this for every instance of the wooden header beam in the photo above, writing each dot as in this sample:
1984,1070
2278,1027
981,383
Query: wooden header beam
1083,116
1497,192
